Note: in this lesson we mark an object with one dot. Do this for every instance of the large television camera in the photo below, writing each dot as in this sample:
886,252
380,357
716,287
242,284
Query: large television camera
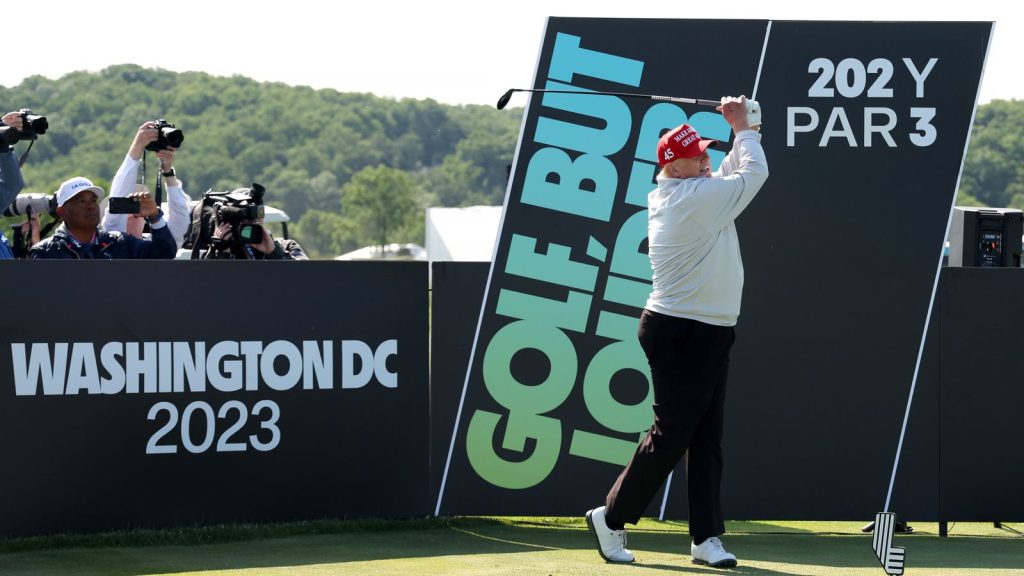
234,211
32,125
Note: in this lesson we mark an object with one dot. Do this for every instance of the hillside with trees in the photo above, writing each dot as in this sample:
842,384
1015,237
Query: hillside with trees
350,169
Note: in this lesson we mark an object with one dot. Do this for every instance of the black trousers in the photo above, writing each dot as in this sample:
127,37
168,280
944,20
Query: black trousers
689,363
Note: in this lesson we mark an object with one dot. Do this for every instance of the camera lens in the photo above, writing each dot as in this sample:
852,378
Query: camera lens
172,136
36,123
167,136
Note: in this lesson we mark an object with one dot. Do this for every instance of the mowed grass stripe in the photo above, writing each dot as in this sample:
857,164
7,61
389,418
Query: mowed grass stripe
510,546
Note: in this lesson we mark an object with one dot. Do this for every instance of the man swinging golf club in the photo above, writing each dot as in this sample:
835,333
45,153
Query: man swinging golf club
686,331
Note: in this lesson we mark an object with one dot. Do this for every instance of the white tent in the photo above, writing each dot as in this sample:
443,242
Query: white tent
462,234
389,252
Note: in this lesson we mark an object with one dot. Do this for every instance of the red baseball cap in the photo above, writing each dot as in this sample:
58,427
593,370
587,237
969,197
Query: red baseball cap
682,142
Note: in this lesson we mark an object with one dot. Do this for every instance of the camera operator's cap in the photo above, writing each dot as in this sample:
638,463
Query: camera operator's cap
682,142
70,188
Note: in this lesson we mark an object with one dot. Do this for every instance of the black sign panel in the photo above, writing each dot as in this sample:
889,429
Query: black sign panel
841,250
982,395
160,393
865,127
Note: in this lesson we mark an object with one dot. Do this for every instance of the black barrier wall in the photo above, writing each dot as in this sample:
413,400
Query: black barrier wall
982,449
978,477
457,291
83,461
138,394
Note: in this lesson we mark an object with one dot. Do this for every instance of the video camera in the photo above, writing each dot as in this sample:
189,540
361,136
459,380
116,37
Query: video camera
35,203
32,126
236,209
167,137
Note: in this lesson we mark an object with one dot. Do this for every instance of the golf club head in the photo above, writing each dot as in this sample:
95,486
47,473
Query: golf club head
753,113
503,101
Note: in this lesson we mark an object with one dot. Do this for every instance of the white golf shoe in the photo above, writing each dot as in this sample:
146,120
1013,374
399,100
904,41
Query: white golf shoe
611,544
711,553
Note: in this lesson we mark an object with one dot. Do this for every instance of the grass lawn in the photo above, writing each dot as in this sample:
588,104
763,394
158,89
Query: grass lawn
487,546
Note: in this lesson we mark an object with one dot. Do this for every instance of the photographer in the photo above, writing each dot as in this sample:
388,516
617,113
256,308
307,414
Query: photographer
123,185
80,236
11,181
229,226
268,248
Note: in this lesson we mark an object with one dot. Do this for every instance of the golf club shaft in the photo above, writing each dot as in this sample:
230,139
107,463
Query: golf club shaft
503,101
753,108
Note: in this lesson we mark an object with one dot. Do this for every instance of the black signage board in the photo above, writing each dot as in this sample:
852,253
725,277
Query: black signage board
982,395
864,125
145,394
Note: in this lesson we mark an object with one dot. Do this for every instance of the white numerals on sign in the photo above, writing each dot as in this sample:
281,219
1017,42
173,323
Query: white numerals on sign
269,424
870,125
851,77
233,412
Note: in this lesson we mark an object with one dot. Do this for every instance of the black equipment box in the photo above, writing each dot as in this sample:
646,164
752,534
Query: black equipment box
986,237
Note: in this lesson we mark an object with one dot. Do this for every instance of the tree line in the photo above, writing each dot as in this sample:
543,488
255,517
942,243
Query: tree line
351,169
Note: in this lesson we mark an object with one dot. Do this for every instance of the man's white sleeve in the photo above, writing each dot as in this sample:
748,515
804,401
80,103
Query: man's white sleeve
121,187
722,198
179,212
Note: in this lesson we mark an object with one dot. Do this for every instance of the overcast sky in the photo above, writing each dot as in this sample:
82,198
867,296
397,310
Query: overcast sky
454,51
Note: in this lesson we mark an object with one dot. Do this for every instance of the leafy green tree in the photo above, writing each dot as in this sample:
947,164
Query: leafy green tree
383,201
965,199
325,234
994,169
491,152
454,183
